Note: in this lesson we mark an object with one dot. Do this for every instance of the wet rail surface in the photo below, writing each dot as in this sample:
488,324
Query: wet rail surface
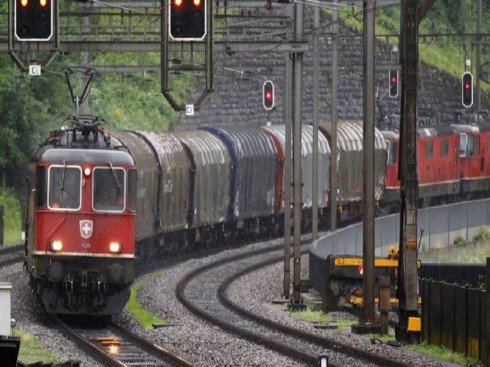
113,345
203,292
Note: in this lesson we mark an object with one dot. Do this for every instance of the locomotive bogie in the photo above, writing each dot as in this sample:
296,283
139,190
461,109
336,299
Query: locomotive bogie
99,288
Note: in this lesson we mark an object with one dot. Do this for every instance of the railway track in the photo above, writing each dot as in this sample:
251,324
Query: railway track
11,255
204,295
113,345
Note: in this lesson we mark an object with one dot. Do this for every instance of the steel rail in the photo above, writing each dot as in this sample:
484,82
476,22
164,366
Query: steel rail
318,340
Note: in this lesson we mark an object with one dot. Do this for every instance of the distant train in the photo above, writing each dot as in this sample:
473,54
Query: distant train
99,203
453,164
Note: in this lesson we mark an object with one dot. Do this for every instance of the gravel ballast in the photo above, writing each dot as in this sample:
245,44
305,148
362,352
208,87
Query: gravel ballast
197,341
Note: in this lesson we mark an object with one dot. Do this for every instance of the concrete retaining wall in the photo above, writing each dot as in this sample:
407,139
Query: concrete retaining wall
440,226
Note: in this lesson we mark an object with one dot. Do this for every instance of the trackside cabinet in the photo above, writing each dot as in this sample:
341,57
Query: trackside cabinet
5,290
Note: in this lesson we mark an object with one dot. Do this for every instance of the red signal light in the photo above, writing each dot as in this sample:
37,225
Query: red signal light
393,83
467,89
268,95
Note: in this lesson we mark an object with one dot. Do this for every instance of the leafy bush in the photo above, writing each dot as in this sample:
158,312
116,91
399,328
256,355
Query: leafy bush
459,241
483,235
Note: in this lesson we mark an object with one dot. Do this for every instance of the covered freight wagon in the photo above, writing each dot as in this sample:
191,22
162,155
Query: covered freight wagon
278,133
210,177
253,173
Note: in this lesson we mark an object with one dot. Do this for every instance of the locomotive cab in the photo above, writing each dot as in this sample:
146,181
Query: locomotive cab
81,224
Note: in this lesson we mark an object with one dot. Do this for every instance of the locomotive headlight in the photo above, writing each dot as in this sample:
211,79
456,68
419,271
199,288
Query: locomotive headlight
56,246
115,247
87,172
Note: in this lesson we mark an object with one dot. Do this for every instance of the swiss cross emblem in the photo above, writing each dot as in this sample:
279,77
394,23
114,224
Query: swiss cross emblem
86,227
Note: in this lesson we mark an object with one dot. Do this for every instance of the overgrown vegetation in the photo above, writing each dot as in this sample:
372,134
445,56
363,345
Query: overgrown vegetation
482,236
321,318
31,352
146,319
11,216
459,241
442,353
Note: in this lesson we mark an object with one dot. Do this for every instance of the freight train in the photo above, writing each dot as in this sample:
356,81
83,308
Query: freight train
99,203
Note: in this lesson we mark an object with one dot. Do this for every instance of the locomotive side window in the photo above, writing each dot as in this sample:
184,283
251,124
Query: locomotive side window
463,141
393,152
444,148
64,185
109,189
471,146
41,187
429,149
132,190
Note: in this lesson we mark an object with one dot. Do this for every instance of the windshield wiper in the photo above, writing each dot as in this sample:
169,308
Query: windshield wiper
119,186
62,183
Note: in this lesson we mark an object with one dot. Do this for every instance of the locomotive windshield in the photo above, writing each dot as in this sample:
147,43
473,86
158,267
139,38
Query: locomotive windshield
109,189
64,187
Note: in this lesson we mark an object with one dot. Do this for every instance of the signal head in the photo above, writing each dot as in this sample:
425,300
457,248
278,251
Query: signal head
187,20
33,20
393,83
467,89
268,95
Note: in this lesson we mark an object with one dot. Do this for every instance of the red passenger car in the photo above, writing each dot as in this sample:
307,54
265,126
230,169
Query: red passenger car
81,222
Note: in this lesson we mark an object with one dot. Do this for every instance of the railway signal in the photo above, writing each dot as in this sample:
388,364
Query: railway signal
187,20
33,20
268,95
467,89
393,83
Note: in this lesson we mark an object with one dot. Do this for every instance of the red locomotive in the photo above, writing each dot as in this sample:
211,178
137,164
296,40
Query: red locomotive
81,222
453,164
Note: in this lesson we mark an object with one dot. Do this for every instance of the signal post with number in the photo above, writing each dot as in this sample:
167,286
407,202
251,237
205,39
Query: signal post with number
32,23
